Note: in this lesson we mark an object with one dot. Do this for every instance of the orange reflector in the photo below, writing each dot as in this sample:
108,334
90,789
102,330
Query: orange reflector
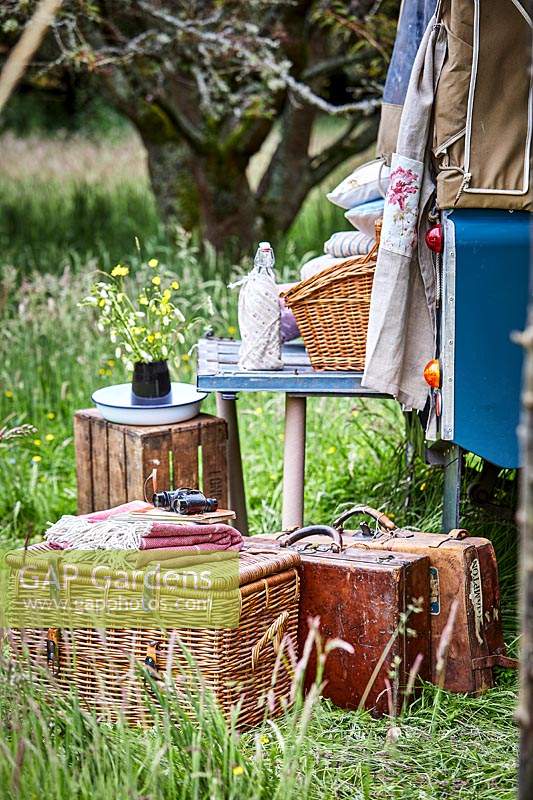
432,373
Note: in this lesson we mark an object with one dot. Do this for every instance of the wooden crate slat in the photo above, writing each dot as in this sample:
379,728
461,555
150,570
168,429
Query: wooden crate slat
134,467
213,439
156,450
118,489
100,466
185,445
84,475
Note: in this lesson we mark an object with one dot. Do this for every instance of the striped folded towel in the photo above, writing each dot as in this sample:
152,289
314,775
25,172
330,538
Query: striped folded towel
348,243
113,530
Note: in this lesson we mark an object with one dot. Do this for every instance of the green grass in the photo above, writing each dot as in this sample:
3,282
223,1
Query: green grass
53,238
448,747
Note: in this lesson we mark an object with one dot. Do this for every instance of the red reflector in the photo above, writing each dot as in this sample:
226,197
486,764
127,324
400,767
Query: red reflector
432,373
434,238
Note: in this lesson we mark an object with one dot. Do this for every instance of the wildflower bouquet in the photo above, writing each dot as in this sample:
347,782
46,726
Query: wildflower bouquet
146,326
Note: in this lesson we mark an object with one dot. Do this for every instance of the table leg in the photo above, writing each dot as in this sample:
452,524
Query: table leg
294,462
451,512
227,409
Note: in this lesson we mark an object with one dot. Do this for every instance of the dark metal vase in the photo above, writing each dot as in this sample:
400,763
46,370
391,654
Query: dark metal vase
150,385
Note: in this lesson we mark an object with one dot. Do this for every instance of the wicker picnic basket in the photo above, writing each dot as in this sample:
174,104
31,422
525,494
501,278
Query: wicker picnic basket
248,665
332,308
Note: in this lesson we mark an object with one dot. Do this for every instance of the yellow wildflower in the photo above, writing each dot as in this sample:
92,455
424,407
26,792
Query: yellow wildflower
185,357
101,303
232,330
50,415
37,442
110,363
165,308
36,459
151,338
49,437
423,487
101,371
331,450
264,740
156,280
108,372
175,285
165,297
259,410
143,301
238,770
119,271
153,263
8,393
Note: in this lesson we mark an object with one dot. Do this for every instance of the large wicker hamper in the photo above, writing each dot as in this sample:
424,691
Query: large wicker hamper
332,309
248,665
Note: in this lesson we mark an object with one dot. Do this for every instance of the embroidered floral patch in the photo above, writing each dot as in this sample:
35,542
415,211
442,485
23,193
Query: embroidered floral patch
400,215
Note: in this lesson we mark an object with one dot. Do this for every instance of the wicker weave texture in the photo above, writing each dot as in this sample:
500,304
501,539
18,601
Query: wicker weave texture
242,666
332,310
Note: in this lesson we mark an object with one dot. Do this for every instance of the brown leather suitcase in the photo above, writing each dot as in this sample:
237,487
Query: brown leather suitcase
462,567
362,598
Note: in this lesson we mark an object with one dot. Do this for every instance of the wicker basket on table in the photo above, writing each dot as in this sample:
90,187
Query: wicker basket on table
246,665
332,308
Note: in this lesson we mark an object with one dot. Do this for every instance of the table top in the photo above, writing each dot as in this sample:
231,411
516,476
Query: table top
218,372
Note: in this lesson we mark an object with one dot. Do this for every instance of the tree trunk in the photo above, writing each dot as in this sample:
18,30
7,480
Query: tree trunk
173,183
525,710
228,208
207,192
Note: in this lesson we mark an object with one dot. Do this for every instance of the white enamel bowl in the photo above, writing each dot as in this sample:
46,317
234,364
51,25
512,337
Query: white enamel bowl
115,405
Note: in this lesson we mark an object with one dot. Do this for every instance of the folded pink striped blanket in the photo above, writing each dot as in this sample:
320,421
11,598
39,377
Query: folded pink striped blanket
101,531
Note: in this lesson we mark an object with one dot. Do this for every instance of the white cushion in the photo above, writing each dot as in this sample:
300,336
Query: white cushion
363,217
368,182
317,265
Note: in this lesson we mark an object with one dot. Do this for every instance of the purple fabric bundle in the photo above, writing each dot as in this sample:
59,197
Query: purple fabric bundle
288,326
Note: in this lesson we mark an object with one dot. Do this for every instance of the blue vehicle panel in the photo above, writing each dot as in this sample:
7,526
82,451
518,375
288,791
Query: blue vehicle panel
491,298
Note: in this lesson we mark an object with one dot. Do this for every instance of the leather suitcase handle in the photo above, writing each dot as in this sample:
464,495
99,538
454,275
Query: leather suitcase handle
313,530
382,519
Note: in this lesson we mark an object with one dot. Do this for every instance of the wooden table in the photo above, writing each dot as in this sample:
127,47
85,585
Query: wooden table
218,372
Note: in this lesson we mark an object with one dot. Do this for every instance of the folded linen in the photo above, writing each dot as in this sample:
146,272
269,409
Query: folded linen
192,537
113,533
348,243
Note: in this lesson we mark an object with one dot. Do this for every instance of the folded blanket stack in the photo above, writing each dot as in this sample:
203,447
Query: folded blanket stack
116,529
348,243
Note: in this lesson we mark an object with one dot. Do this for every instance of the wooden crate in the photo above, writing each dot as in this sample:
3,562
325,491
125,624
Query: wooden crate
113,461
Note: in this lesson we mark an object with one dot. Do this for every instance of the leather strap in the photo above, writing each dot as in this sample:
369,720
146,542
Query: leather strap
313,530
382,519
495,660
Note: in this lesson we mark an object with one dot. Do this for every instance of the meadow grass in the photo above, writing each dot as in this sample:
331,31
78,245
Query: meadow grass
53,239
